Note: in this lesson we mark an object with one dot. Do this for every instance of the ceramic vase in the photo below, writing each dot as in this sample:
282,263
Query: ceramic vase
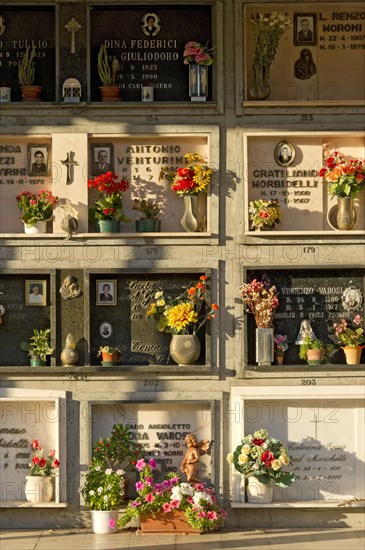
260,89
279,357
345,214
108,226
257,492
38,227
353,354
198,82
36,361
189,220
100,521
264,346
39,489
185,348
148,225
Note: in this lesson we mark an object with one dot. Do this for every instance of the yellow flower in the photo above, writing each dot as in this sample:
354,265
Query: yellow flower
245,450
181,316
284,459
151,310
276,464
243,459
161,302
230,458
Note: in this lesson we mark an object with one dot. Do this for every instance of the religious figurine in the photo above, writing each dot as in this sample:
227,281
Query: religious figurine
70,288
305,330
190,464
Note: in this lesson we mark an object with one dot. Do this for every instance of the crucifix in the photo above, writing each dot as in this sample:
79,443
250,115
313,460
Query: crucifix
70,163
73,26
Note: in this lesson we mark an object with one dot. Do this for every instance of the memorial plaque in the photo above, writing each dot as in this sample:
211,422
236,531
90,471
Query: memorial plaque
321,296
27,26
126,326
148,55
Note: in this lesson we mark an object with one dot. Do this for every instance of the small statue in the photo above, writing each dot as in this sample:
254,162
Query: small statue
70,288
305,330
190,464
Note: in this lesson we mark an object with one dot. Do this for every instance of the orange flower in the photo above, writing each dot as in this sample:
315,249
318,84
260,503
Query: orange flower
215,306
203,278
192,291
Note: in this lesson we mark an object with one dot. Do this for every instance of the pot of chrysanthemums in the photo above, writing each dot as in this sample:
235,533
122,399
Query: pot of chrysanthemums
350,336
107,211
148,222
183,316
189,182
40,482
315,351
264,214
262,460
171,505
280,347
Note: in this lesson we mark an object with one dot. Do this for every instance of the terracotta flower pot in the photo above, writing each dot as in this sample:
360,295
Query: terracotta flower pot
315,356
172,522
353,354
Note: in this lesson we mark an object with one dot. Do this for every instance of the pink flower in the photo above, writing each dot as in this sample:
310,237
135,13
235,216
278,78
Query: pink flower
35,445
140,464
150,497
51,453
152,463
212,515
139,485
167,507
112,523
175,503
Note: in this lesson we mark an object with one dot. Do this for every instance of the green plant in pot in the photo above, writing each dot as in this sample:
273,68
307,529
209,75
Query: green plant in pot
109,354
314,351
108,75
26,76
149,209
38,347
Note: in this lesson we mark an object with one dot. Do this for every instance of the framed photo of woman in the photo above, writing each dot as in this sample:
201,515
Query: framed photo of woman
35,293
106,292
38,160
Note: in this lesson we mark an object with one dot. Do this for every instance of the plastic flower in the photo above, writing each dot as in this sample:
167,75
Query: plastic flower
195,53
261,299
280,342
264,213
345,177
191,179
41,465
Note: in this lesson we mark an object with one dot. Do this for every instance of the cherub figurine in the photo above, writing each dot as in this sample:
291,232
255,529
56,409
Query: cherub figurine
190,464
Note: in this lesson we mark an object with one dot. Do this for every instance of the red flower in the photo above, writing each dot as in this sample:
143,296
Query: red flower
258,442
267,458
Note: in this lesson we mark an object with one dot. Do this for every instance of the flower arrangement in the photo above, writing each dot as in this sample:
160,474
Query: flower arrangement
347,335
41,465
268,30
280,342
196,53
264,213
103,488
197,502
261,299
190,180
345,178
263,457
185,313
148,207
36,207
109,206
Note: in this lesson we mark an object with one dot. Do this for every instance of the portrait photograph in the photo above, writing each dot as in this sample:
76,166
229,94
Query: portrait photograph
35,293
305,29
284,153
351,299
106,292
38,160
151,24
102,158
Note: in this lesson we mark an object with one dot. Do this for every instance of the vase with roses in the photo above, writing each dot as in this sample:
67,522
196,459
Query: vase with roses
40,482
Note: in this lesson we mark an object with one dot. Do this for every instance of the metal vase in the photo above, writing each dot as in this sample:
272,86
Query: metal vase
264,346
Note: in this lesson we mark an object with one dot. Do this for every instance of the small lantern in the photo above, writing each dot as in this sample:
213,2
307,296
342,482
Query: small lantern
71,90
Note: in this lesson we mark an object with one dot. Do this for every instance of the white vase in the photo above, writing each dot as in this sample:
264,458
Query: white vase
38,227
257,492
100,521
189,220
39,489
185,348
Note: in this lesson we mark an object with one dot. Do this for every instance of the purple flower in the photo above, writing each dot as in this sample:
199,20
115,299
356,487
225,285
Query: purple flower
135,504
152,463
149,481
139,485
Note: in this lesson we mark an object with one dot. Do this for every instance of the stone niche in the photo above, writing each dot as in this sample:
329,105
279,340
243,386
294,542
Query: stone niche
323,432
300,191
27,415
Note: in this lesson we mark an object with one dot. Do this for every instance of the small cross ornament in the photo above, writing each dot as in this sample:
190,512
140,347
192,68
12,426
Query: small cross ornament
73,26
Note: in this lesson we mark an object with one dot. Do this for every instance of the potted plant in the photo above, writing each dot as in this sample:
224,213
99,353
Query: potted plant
280,347
262,460
38,347
264,214
109,90
315,351
39,486
350,336
183,316
188,182
108,209
198,58
149,208
37,209
345,178
109,355
172,506
26,75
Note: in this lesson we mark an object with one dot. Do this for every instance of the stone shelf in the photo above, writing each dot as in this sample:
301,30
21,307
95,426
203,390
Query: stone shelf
26,504
348,502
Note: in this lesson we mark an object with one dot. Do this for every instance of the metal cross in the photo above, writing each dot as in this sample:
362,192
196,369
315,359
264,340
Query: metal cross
73,26
70,163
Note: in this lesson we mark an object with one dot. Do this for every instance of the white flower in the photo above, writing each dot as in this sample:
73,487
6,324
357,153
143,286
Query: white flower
91,493
161,302
186,489
284,459
245,449
108,471
106,498
276,464
199,495
158,294
97,468
243,459
100,490
120,472
256,467
230,458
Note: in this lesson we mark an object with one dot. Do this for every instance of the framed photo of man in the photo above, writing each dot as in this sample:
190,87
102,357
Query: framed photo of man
38,160
106,292
102,158
284,153
35,292
305,29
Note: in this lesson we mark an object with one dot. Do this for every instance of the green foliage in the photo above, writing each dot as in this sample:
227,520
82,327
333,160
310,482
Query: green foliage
38,344
119,450
108,349
26,67
103,488
268,30
149,207
309,344
103,67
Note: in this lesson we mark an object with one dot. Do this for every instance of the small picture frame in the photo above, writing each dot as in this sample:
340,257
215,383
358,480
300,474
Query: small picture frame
35,292
38,160
102,158
106,292
284,153
305,29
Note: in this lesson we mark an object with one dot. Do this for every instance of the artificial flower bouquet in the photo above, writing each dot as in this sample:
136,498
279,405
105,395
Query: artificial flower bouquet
345,178
191,179
268,30
196,53
185,313
36,207
261,299
41,465
263,457
104,487
349,333
280,343
109,206
264,213
198,502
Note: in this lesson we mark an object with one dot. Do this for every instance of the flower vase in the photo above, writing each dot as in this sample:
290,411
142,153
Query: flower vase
279,357
346,217
100,521
108,226
353,354
198,82
38,227
39,489
258,492
260,89
185,348
189,220
264,346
